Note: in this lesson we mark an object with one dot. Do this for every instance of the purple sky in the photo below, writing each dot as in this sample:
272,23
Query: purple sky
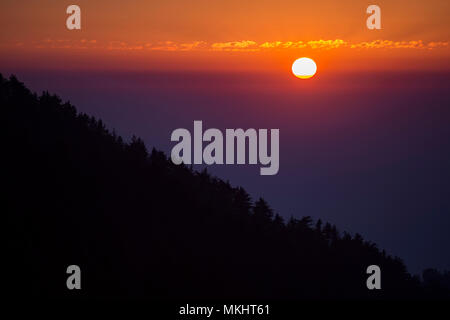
367,152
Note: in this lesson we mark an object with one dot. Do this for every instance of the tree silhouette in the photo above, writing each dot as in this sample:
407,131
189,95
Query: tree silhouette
140,226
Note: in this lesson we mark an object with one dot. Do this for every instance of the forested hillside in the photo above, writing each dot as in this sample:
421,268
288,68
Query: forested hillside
140,226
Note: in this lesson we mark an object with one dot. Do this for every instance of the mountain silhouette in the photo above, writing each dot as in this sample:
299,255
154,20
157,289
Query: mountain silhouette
141,227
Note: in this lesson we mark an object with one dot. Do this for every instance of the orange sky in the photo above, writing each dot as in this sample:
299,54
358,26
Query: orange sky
225,35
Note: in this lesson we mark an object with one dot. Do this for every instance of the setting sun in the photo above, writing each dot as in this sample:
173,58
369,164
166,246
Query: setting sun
304,68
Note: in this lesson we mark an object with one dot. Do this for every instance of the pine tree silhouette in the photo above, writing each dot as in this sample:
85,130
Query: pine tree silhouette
140,226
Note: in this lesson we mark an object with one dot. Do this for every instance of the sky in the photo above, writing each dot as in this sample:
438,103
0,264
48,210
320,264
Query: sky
364,144
224,35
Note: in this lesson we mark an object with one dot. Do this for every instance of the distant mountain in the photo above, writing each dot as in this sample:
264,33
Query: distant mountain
140,226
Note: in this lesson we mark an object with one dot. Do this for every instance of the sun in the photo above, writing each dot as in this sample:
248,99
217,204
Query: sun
304,68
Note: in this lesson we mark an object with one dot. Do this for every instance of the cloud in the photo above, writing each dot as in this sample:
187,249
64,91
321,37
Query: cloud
438,44
269,45
245,45
327,44
173,46
324,45
242,45
63,44
387,44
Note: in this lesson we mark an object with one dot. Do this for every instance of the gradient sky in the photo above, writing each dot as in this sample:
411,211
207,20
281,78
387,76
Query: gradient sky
364,144
225,35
